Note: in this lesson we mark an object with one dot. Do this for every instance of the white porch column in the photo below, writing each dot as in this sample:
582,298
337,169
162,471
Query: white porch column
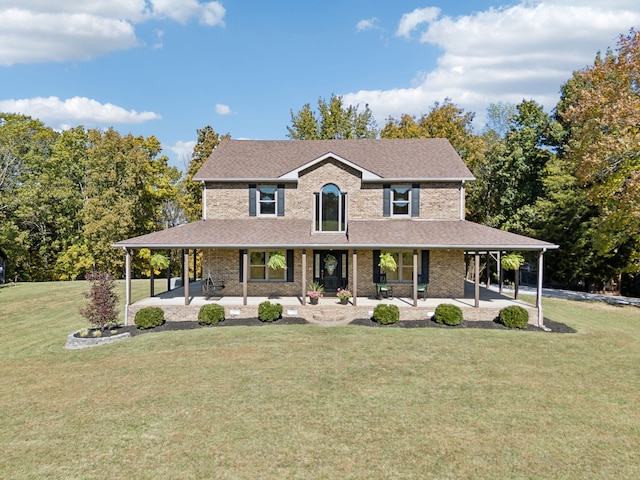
415,277
152,277
539,292
245,275
127,286
303,294
185,276
488,269
354,274
500,273
476,277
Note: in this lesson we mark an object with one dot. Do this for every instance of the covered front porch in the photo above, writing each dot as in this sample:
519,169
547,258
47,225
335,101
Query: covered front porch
329,310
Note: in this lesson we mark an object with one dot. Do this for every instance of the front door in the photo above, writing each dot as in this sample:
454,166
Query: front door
330,269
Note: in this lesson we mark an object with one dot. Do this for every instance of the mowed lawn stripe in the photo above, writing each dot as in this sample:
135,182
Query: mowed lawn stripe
311,402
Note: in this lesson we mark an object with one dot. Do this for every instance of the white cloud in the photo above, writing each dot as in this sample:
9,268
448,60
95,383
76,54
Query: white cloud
223,109
525,51
367,24
410,21
183,150
35,31
210,13
77,110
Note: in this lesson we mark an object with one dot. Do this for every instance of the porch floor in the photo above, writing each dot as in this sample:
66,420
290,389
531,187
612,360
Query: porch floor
489,299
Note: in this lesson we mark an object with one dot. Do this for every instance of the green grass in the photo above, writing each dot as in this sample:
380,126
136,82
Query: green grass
309,402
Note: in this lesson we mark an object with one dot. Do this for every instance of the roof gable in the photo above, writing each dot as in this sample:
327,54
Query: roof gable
430,159
294,174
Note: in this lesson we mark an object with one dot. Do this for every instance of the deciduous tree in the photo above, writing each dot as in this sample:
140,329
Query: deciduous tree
333,121
600,108
191,192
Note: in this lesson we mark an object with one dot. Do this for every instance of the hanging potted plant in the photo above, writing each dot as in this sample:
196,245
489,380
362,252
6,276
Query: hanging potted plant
315,292
387,263
277,261
513,261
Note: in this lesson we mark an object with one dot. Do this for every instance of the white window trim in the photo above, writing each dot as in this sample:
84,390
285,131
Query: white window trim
266,268
400,266
343,202
393,201
259,202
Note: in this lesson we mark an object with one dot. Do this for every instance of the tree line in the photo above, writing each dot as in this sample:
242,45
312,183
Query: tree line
571,177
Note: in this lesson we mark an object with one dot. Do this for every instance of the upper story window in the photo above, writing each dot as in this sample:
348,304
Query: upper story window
266,200
401,200
330,209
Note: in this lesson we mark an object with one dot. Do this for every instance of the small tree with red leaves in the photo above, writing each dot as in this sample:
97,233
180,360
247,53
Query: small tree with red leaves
101,310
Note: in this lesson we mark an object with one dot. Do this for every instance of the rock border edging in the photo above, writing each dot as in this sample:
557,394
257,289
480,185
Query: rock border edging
75,343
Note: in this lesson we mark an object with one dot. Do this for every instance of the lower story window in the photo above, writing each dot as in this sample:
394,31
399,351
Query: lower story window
404,272
259,267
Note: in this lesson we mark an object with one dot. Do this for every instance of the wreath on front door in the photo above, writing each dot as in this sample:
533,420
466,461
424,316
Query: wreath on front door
330,263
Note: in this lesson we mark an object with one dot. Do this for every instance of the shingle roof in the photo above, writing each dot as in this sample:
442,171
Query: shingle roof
429,158
284,233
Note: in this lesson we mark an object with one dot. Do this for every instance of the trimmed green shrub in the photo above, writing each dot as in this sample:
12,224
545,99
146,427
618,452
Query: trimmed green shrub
149,317
269,312
210,314
386,314
448,314
513,317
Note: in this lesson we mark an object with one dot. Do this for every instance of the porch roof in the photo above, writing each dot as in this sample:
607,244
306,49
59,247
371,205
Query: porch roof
369,234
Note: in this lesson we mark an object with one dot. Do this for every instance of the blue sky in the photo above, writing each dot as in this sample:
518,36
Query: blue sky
169,67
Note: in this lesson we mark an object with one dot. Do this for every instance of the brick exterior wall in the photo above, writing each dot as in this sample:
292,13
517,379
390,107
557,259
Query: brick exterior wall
364,201
446,274
440,201
227,200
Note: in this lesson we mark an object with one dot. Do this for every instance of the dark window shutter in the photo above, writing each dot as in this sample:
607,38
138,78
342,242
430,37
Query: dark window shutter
281,200
252,200
376,267
241,269
415,200
289,265
425,266
386,200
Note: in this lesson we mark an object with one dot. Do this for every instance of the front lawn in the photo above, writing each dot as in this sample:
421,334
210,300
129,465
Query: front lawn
310,402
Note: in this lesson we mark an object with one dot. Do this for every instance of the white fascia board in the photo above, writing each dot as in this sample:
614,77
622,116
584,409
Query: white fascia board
249,180
419,180
366,174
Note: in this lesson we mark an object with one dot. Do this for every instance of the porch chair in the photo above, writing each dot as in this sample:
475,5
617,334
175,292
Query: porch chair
422,287
383,288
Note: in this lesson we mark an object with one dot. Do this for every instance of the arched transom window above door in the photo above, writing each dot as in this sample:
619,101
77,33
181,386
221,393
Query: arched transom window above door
330,209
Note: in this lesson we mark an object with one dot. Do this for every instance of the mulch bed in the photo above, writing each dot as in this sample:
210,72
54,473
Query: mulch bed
555,327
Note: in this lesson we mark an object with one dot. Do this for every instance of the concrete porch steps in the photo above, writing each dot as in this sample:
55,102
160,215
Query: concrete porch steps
330,317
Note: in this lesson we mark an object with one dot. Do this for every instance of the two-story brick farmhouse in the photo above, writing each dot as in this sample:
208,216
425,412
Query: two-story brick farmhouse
331,207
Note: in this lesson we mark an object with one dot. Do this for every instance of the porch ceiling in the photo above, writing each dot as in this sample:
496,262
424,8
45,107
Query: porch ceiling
369,234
